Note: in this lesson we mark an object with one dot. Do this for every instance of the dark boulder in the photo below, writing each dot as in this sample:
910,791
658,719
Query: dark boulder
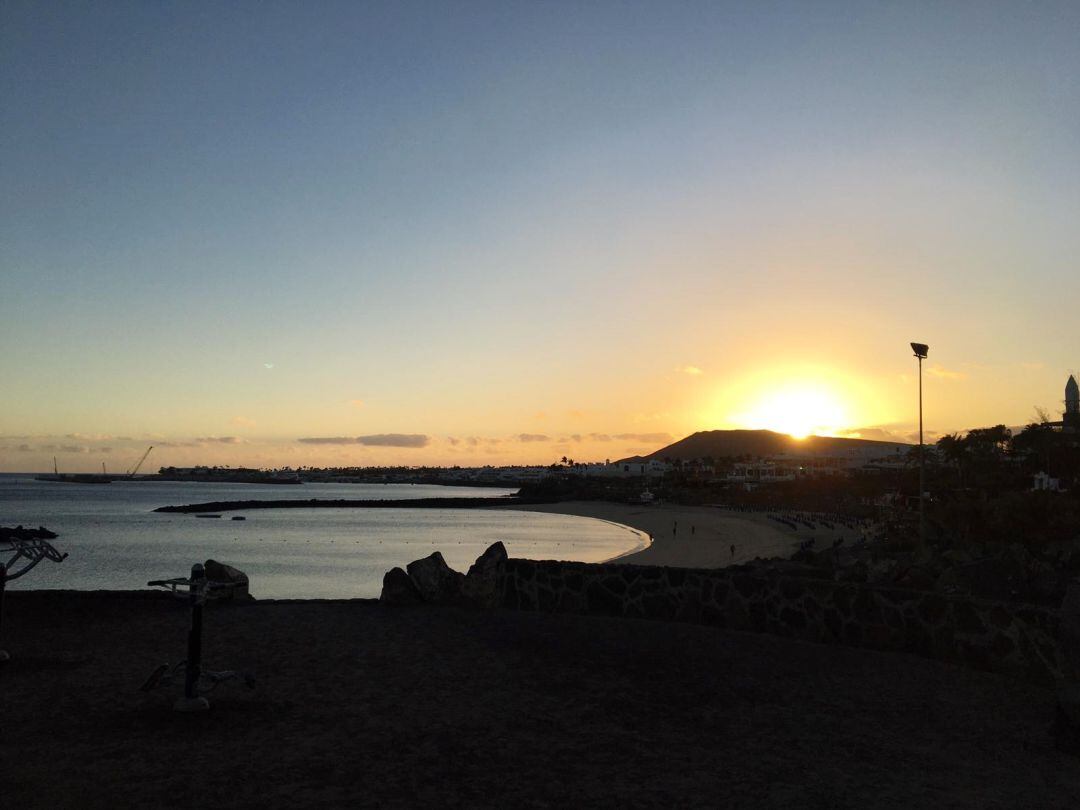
222,574
435,580
481,584
399,589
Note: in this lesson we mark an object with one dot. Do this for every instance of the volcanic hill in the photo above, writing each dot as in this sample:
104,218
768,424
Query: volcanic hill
733,443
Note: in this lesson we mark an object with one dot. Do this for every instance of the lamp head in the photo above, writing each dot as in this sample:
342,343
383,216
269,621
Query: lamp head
921,350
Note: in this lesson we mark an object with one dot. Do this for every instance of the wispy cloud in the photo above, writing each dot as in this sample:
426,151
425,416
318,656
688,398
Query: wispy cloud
375,440
877,434
395,440
476,441
693,371
243,421
649,438
945,374
356,403
219,440
533,437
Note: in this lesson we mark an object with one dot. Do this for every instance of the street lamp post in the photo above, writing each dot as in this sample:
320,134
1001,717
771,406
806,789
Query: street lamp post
921,350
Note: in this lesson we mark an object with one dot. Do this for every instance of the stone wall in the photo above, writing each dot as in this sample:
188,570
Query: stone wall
999,636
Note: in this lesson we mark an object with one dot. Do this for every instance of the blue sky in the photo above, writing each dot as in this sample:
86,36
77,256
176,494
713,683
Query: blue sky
240,219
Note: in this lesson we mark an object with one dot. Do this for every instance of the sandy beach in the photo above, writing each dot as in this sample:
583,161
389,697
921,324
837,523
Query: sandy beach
691,536
362,705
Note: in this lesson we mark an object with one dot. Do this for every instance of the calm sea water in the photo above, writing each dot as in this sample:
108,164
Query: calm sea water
116,541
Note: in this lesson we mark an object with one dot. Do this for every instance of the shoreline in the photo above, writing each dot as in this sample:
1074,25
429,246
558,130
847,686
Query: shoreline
687,536
673,535
682,536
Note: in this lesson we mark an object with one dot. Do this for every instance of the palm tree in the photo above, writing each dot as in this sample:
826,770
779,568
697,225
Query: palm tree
953,448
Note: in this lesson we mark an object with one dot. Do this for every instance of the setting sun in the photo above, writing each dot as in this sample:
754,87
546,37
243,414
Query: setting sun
799,410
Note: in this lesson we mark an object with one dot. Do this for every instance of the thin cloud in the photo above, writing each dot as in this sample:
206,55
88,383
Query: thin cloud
533,437
929,436
375,440
945,374
243,421
219,440
693,371
394,440
476,441
356,403
876,434
651,438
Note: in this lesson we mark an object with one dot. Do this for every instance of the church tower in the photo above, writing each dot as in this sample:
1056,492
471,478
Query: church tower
1071,417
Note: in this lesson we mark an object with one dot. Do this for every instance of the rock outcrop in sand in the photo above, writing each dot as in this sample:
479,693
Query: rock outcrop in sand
399,589
431,580
225,574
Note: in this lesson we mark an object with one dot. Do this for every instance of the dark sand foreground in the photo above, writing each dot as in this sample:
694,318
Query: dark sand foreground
362,705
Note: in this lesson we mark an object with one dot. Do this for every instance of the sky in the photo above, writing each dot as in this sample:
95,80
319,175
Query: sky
492,233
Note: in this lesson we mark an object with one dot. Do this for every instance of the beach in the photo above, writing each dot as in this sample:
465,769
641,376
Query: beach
691,536
362,705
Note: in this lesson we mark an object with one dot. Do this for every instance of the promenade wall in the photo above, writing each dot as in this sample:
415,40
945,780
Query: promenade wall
997,636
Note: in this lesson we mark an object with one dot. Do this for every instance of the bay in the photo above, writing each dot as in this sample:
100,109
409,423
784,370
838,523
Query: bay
116,541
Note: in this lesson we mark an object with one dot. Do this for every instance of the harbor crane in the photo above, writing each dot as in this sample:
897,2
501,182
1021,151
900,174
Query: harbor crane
135,469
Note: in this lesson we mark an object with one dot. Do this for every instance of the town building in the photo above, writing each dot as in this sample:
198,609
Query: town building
1070,419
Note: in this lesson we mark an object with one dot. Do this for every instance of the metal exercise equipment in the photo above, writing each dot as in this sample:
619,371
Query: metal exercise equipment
27,548
197,682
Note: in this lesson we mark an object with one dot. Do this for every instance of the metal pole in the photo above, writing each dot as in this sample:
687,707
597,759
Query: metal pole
3,586
191,701
922,467
194,656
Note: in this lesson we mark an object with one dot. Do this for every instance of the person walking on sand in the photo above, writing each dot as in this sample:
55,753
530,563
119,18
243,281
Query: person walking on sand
733,550
675,528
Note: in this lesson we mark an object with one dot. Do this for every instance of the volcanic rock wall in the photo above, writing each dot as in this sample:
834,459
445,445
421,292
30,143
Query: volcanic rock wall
998,636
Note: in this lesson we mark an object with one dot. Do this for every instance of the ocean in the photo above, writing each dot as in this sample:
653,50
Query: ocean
115,540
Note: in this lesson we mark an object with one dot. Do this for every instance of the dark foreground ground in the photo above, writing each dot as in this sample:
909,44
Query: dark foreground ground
366,706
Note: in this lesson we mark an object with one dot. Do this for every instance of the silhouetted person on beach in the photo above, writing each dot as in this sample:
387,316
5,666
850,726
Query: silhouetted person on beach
693,528
675,528
732,549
